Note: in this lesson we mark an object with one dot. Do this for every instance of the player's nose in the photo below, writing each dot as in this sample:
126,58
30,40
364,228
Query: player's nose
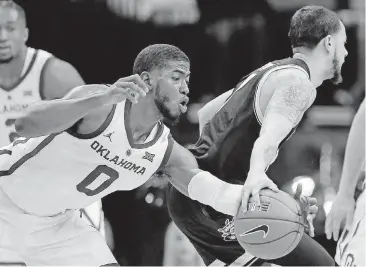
3,35
184,89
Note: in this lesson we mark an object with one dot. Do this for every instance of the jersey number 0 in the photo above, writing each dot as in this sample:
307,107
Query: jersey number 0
100,169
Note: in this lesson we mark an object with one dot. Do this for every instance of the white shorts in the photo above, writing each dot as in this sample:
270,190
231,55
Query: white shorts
351,245
64,239
93,215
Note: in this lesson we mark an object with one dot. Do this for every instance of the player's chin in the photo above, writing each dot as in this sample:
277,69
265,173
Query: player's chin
337,79
173,118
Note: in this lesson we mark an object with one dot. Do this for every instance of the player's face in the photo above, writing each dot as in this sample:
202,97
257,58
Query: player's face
171,90
339,55
13,34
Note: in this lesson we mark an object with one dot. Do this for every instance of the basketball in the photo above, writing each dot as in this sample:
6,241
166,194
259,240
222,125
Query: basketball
273,229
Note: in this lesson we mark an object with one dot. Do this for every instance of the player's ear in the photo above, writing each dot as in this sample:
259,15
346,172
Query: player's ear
329,43
146,77
26,34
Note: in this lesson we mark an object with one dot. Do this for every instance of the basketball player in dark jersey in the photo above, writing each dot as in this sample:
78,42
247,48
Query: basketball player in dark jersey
245,130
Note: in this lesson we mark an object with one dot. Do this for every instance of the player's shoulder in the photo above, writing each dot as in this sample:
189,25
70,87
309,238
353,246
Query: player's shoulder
290,75
59,68
290,80
60,77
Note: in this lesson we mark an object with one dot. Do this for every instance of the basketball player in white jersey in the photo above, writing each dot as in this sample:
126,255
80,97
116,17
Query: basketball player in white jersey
92,142
346,212
28,75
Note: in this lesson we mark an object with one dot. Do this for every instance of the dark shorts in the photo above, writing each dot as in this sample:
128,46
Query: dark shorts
212,234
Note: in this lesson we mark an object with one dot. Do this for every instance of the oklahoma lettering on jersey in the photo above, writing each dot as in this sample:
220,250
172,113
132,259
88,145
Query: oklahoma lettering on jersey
13,100
50,174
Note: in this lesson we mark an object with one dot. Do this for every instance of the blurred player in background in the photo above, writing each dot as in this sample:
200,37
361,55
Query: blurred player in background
346,212
28,75
258,116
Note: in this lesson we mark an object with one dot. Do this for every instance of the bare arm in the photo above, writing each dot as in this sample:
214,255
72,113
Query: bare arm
292,96
355,154
180,168
343,208
52,116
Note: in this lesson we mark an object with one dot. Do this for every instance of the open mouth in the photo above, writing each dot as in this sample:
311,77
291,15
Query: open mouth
183,104
184,101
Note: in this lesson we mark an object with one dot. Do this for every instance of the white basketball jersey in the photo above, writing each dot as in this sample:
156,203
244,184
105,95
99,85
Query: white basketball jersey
13,100
50,174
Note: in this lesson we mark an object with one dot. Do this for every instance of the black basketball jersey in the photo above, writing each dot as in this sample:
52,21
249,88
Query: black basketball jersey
226,142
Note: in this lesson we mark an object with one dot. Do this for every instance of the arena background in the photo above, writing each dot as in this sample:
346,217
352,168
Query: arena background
225,39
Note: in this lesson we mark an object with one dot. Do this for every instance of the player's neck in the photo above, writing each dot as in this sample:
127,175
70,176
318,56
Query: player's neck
13,68
143,118
316,69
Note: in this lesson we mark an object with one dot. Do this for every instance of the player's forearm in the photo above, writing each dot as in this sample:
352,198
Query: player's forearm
263,153
354,155
46,117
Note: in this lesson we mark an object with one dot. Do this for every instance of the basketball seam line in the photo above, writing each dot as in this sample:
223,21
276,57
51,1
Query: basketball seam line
275,219
258,244
284,204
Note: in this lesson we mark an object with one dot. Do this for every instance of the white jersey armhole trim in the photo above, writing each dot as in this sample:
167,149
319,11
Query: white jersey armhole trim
258,113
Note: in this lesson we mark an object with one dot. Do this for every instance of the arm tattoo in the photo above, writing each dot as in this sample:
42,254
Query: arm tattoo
293,97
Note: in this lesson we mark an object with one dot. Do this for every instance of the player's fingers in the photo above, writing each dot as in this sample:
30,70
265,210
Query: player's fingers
336,227
244,200
329,225
137,80
132,87
349,220
273,187
298,191
256,199
313,210
313,201
310,219
131,91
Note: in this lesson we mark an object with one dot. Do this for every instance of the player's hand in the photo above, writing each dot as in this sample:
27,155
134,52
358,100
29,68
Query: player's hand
340,214
309,208
131,87
254,183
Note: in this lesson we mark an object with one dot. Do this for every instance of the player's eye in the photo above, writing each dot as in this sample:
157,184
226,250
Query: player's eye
175,78
10,28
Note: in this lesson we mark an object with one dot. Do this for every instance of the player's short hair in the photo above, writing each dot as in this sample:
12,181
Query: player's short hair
14,5
310,24
157,55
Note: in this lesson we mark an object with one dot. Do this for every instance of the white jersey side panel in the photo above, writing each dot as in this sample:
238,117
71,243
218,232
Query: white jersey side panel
48,175
17,98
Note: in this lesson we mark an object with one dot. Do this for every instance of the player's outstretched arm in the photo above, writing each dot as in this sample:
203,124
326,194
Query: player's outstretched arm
53,116
183,173
293,95
353,167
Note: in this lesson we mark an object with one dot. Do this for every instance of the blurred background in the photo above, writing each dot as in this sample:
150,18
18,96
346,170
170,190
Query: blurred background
225,40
